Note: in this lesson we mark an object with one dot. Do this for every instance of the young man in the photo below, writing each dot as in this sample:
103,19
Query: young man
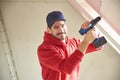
60,56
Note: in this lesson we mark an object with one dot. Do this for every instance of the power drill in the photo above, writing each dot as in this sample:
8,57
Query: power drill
98,41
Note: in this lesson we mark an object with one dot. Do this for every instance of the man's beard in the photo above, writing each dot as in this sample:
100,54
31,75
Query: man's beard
62,35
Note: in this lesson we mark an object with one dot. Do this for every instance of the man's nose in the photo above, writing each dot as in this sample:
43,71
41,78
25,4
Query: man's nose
61,29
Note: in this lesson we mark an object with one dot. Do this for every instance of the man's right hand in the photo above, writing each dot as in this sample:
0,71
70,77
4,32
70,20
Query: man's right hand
88,38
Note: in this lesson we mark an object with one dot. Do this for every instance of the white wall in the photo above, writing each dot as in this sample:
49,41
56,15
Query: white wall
4,67
25,25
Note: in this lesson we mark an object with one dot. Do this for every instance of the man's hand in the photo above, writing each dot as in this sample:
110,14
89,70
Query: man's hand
88,38
85,25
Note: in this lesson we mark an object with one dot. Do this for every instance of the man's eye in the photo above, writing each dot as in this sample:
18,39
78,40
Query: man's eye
62,25
56,27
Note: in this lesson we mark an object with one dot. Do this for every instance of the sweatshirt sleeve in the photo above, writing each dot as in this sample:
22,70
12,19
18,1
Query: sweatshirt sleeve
54,60
69,64
91,48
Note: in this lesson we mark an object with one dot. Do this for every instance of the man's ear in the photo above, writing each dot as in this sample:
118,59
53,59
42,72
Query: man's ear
49,30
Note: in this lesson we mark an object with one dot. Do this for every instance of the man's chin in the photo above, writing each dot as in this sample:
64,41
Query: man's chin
61,38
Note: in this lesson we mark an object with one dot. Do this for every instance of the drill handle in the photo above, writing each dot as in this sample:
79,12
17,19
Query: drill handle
92,24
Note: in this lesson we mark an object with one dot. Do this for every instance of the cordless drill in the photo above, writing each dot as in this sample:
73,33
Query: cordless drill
98,41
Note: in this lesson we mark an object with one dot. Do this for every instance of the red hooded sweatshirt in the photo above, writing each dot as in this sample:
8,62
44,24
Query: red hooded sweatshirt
60,61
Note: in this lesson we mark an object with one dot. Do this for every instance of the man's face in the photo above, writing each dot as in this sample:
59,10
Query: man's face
58,30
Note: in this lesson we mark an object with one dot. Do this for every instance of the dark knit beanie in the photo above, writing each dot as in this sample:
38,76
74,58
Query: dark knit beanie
54,16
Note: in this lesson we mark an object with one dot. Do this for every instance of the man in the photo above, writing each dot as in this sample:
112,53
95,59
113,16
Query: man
60,56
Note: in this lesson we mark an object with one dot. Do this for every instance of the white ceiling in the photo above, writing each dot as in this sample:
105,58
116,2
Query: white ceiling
33,0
